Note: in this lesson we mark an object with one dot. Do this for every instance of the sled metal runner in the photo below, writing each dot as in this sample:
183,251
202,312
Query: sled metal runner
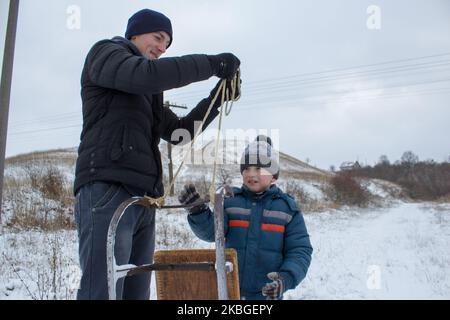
115,272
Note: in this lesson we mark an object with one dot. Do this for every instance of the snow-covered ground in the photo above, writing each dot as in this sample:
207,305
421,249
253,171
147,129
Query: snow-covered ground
397,253
400,252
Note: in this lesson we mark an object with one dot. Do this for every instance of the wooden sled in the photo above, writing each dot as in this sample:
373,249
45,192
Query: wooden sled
216,264
194,284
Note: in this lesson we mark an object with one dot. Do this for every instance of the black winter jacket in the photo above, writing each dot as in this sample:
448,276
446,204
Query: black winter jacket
123,114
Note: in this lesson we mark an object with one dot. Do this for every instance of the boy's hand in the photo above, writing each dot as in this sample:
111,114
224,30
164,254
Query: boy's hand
274,289
188,196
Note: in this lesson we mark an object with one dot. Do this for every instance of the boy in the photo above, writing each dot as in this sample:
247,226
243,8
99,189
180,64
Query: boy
262,223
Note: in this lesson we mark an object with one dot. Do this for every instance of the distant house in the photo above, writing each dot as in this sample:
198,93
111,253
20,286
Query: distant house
346,166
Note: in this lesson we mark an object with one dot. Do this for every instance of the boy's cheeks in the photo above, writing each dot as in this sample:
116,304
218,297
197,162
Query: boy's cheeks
257,179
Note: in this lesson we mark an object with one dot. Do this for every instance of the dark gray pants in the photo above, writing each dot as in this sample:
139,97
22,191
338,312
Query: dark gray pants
95,204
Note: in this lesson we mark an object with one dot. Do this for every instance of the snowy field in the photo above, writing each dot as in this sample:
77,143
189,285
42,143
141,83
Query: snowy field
400,252
397,253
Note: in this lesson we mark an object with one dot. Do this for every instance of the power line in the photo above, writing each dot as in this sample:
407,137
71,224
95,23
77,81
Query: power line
53,117
264,100
260,99
262,103
344,77
45,129
271,81
295,97
290,85
294,87
336,101
355,67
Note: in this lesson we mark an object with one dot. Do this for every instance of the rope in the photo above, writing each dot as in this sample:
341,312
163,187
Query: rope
235,83
212,188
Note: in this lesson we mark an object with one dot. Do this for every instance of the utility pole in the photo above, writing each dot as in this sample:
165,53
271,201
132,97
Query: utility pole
167,104
5,87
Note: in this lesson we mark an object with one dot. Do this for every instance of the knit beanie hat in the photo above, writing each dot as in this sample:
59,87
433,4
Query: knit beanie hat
259,153
145,21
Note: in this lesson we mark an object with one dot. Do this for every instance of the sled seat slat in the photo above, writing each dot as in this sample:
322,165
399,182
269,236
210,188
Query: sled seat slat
194,284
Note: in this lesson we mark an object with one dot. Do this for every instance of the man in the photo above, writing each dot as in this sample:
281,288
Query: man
122,86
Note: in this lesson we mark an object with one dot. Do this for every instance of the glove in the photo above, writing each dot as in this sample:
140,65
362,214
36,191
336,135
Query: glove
190,195
229,88
275,289
224,65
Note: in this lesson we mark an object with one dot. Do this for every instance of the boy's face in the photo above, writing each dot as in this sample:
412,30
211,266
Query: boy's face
257,179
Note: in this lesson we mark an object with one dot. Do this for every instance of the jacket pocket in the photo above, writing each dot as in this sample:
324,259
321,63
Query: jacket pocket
120,146
237,235
272,237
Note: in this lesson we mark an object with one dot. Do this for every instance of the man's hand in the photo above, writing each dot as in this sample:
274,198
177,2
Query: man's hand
229,88
224,65
274,289
188,196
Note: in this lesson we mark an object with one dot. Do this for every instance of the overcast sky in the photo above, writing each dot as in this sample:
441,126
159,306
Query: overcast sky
338,81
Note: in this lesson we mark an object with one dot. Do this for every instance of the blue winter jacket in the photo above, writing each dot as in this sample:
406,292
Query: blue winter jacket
268,233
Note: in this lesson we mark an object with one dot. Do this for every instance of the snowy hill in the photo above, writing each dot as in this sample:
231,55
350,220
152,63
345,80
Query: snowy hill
230,157
197,168
201,160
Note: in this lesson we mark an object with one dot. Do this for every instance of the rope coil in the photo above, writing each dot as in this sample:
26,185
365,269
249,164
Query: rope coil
226,103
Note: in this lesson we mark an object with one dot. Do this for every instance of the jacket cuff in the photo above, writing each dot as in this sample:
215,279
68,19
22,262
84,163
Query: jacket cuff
198,209
200,217
288,280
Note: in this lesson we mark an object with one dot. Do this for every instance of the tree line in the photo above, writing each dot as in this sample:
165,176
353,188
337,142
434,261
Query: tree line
421,180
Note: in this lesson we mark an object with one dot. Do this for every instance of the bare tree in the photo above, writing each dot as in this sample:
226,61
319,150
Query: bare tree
409,157
225,176
383,160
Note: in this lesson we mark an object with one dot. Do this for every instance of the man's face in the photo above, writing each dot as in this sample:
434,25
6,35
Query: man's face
152,45
257,179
